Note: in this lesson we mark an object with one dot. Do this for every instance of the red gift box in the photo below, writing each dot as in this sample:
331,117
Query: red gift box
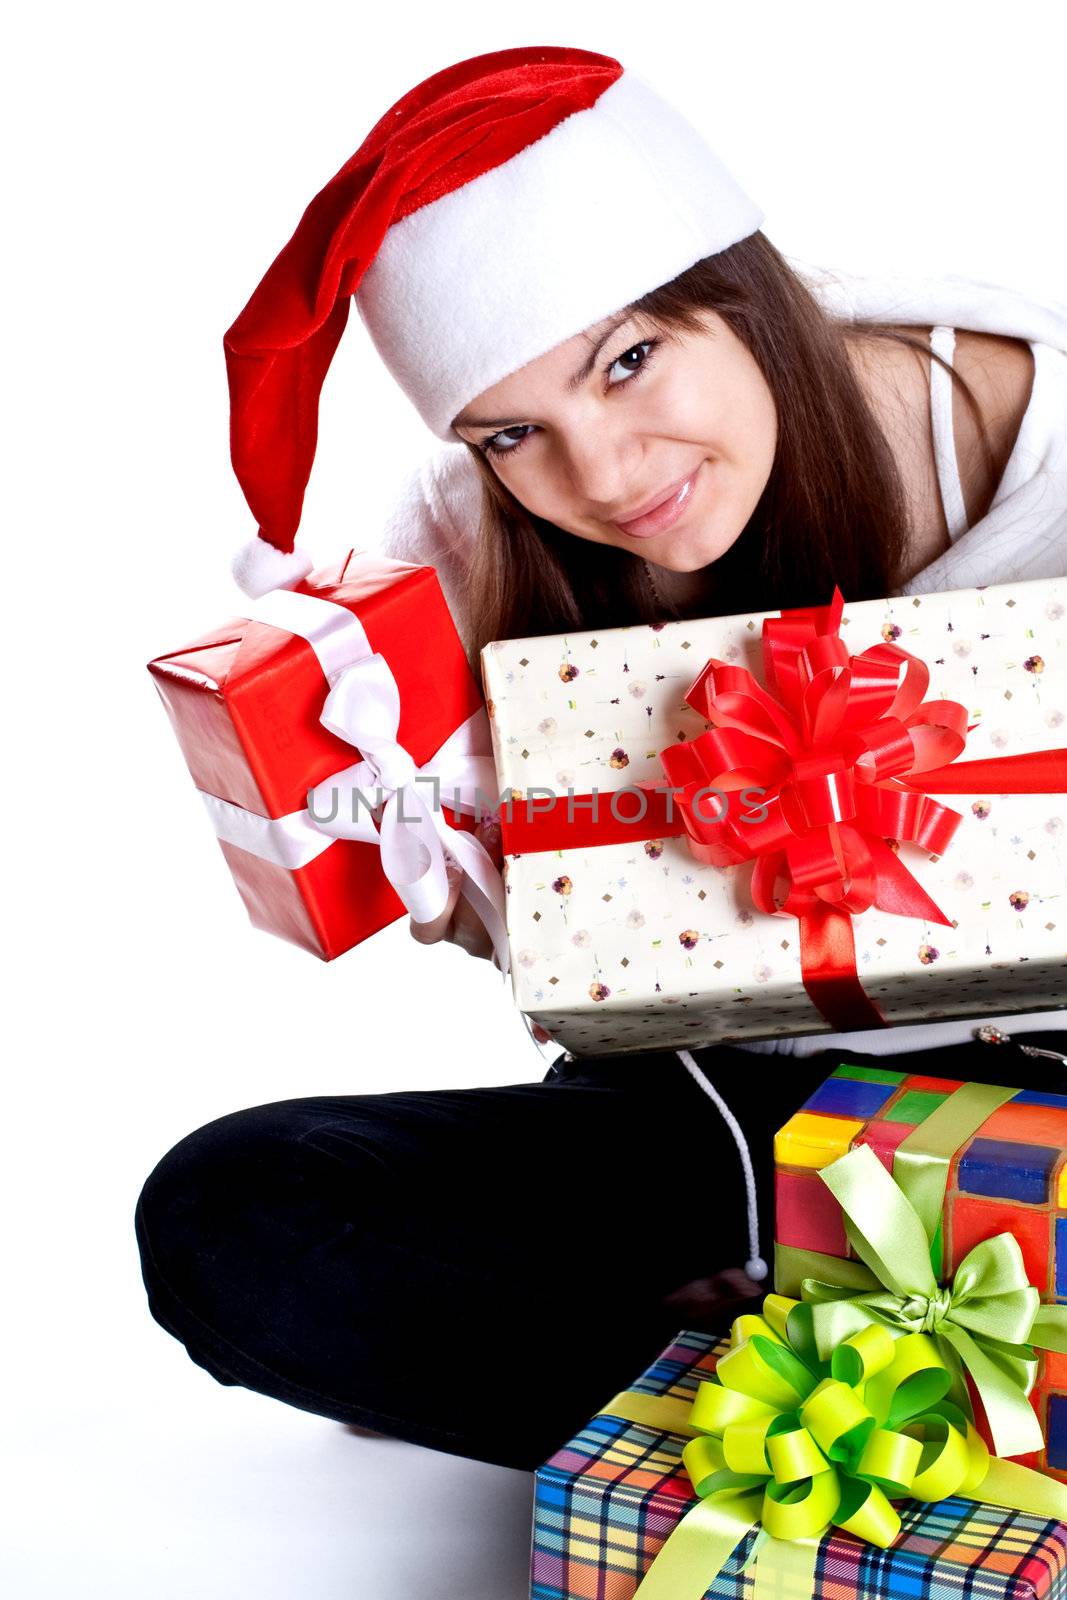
245,701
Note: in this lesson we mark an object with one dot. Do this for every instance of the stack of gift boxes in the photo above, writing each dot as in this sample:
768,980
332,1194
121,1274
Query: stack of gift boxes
611,1500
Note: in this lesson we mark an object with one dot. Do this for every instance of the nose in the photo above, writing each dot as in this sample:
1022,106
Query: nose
600,461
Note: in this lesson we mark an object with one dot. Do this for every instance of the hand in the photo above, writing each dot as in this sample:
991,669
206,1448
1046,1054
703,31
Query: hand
458,924
712,1303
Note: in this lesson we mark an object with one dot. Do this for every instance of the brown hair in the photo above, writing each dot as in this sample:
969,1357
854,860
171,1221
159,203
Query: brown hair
833,509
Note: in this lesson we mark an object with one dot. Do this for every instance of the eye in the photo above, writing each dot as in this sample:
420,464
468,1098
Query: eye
629,365
493,445
631,361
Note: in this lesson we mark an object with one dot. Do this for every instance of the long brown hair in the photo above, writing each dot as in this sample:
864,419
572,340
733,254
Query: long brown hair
833,510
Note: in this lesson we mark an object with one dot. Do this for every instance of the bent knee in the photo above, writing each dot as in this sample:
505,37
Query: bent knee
233,1200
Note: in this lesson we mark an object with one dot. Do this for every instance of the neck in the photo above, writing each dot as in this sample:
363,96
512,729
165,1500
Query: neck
675,591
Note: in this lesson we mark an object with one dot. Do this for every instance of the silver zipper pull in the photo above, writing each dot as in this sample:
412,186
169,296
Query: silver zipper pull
988,1034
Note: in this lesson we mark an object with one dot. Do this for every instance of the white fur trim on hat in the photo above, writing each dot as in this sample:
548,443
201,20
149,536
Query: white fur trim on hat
258,567
613,202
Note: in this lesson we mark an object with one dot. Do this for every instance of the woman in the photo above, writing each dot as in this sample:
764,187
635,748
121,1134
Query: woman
649,414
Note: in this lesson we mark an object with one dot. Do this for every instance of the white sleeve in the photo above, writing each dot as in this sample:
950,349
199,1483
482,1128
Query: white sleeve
434,522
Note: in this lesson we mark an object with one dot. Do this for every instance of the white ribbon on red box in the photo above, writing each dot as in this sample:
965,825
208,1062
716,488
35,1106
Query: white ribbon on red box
416,840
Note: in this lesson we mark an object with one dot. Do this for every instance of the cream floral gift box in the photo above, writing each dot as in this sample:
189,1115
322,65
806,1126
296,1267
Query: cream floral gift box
635,944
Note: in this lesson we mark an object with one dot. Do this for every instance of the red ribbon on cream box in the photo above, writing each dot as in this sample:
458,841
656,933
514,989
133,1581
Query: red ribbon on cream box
625,930
361,660
841,749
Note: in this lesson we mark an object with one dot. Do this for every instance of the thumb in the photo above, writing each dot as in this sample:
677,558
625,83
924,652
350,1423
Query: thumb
433,932
737,1278
710,1302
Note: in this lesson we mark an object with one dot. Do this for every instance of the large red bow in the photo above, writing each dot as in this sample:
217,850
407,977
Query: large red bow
841,747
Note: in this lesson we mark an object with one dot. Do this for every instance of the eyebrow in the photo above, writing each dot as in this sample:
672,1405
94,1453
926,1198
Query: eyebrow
574,382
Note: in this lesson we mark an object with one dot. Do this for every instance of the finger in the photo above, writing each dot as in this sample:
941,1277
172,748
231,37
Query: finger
468,931
710,1302
487,829
738,1280
436,930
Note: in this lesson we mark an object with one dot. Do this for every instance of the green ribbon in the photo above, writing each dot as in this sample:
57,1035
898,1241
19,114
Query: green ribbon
987,1320
784,1439
921,1161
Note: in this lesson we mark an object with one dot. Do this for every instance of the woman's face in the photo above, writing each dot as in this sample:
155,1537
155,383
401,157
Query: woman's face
659,441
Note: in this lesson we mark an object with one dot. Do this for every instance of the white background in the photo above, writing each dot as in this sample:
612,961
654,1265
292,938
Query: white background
158,159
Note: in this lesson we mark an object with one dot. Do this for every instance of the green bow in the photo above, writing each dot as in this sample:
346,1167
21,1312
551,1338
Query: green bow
987,1320
780,1439
830,1442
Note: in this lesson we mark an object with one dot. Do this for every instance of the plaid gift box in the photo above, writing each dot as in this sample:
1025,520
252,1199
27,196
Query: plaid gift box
607,1502
1010,1176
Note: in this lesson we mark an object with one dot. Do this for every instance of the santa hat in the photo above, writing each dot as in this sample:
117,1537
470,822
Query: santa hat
498,209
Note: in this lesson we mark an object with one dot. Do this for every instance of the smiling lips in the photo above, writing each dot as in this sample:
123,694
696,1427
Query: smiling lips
662,514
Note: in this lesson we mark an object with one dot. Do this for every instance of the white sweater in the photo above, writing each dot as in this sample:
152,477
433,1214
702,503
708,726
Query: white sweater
1023,534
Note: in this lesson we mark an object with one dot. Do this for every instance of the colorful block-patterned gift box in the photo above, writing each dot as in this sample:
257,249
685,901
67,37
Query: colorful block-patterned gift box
608,1501
621,939
1009,1175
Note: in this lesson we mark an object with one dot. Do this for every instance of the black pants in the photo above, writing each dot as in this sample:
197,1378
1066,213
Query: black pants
478,1270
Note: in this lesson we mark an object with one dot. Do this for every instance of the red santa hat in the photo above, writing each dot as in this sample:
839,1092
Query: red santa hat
498,209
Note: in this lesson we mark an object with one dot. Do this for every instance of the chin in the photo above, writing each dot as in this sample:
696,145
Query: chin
693,559
673,563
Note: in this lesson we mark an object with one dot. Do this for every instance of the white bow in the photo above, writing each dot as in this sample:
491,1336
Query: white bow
388,799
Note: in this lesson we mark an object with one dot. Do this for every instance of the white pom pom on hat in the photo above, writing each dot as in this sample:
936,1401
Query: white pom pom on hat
259,567
476,227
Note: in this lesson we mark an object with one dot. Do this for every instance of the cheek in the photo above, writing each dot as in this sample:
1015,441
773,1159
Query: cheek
754,419
731,411
532,486
538,480
687,411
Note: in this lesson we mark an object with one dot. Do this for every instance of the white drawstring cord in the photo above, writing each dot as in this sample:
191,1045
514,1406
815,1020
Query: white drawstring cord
756,1267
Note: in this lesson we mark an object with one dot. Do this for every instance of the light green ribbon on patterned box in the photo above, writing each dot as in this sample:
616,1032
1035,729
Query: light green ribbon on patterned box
987,1320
